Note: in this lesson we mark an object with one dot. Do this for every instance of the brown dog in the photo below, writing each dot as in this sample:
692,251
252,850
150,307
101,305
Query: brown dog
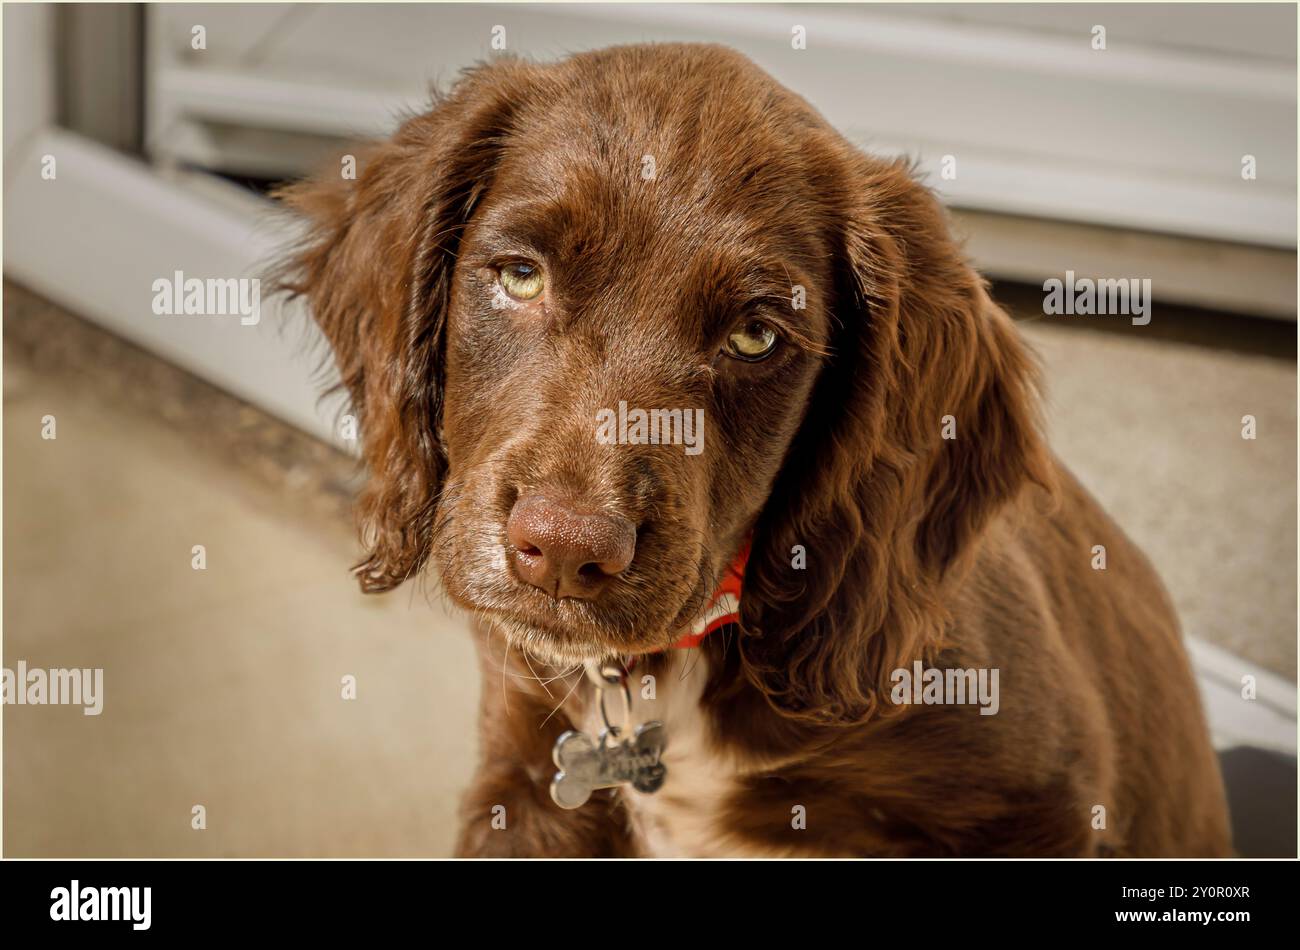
606,320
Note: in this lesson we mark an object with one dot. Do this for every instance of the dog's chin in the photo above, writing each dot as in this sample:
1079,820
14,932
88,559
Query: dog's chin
566,649
573,634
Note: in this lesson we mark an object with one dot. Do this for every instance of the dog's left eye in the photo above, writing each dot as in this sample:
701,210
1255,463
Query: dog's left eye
522,280
751,341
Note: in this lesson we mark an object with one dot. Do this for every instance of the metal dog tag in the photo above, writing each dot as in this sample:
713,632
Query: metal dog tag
614,758
586,765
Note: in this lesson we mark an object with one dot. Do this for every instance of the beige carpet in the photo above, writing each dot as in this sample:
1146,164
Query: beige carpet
1153,428
223,687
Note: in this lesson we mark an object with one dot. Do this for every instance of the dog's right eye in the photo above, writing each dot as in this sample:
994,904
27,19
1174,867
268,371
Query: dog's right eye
522,280
752,341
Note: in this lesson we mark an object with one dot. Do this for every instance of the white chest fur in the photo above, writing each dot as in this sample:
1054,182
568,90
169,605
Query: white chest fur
685,817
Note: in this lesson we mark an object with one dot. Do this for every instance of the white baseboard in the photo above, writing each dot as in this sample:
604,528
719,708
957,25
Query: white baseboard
96,237
1236,278
1267,721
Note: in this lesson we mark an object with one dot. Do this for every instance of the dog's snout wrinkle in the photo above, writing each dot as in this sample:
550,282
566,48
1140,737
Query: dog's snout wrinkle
565,552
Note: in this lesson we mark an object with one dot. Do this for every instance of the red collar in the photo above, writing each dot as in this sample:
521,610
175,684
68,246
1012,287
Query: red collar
724,605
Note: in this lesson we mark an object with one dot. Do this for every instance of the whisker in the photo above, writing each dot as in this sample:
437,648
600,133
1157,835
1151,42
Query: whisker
576,683
524,653
505,695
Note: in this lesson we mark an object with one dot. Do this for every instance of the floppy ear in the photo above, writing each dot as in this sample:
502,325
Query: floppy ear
376,269
922,425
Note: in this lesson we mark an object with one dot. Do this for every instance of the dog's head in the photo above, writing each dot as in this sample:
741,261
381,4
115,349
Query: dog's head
602,320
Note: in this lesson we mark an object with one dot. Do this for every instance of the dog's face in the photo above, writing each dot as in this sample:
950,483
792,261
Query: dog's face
604,319
599,304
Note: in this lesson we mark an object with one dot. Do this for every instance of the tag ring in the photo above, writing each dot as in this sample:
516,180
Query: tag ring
609,678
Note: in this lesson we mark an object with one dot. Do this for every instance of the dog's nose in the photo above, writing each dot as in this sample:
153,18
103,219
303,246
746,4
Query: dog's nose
567,553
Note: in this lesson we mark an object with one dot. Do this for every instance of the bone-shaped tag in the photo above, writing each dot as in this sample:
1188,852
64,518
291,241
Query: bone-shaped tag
586,765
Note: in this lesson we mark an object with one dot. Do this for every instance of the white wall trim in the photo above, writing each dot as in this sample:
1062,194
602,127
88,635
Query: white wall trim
1267,721
65,239
1138,136
995,47
29,105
